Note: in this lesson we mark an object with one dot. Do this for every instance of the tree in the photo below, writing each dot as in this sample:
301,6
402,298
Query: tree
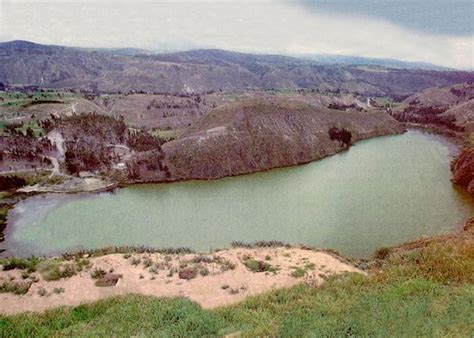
30,132
343,135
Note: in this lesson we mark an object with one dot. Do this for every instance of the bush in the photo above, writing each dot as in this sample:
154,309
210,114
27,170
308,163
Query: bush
12,263
11,182
298,272
55,270
42,291
109,279
98,273
258,266
188,273
343,135
18,288
382,253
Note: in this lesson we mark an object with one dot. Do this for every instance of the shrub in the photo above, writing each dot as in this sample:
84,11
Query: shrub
382,253
147,262
11,182
12,263
82,264
110,279
135,261
42,291
58,290
188,273
298,272
97,273
55,270
258,266
18,288
203,271
342,135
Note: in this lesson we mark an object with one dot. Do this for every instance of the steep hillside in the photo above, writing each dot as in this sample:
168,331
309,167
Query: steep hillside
464,115
443,96
256,135
463,170
447,110
26,63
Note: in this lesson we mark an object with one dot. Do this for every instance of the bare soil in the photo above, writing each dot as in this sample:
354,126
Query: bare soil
220,278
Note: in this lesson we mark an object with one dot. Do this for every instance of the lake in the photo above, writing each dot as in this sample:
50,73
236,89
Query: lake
380,192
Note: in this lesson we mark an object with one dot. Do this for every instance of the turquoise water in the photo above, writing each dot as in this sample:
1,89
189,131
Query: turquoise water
380,192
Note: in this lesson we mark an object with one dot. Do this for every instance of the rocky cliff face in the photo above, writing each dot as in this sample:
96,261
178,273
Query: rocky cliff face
463,170
257,135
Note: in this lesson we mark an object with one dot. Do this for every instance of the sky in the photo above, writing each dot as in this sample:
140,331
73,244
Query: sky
433,31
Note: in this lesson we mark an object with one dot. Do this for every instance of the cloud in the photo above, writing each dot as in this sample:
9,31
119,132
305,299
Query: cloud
441,17
249,26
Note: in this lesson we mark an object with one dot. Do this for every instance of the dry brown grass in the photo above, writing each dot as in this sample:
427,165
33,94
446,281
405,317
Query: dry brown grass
445,259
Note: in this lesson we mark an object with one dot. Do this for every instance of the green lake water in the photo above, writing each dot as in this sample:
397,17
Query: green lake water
380,192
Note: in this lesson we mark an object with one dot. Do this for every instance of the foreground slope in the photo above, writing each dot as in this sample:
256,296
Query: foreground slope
256,135
221,278
422,288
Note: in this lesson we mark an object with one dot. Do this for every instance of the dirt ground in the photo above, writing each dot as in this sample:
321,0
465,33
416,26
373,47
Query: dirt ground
221,278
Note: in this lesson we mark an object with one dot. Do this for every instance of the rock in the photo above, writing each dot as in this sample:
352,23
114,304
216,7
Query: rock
469,225
188,273
463,170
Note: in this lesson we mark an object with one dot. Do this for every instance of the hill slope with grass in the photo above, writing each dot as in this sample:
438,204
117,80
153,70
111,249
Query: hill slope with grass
256,135
423,288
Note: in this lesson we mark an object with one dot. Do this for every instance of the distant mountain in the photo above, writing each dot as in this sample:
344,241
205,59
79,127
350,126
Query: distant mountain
114,70
365,61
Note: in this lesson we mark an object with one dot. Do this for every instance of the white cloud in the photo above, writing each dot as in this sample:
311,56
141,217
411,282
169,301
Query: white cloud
252,26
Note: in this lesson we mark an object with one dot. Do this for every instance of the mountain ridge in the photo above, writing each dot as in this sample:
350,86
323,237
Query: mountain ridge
199,71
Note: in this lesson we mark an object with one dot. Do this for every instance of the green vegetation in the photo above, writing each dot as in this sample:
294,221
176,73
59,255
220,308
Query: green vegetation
258,266
98,273
29,264
55,270
259,244
165,135
428,291
299,271
18,288
33,127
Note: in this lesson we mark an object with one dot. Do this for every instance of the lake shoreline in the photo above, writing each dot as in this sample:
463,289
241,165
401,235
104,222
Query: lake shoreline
212,280
150,192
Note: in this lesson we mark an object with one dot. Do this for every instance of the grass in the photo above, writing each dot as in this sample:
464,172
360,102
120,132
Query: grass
17,288
28,264
259,244
98,273
348,305
427,291
165,135
257,265
52,270
298,272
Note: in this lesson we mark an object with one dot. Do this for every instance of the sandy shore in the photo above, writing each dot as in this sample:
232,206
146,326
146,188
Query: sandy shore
220,278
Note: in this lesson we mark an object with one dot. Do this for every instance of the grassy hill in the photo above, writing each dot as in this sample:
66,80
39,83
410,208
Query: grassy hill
259,134
423,288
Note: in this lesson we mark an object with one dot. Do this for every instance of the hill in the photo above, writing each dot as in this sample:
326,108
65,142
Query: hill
255,135
109,71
